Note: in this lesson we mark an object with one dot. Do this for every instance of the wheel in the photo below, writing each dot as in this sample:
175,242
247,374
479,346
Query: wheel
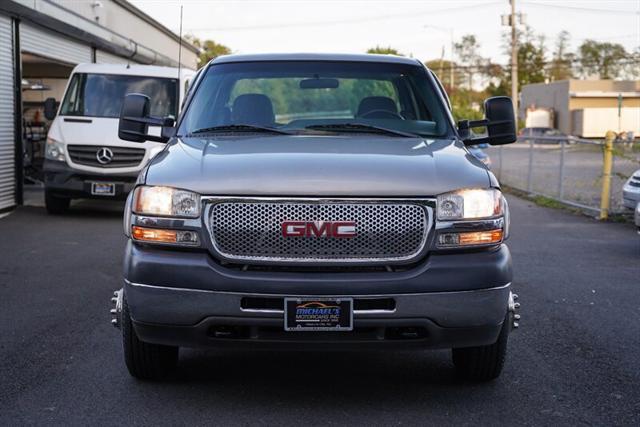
144,360
55,205
483,363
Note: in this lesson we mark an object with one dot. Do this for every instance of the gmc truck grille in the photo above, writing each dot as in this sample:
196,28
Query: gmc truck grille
116,157
378,232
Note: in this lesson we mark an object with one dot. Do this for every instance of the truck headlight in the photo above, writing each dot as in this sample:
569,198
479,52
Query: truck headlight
54,150
166,201
469,204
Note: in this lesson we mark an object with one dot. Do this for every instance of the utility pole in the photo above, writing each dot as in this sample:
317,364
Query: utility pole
514,58
451,64
451,70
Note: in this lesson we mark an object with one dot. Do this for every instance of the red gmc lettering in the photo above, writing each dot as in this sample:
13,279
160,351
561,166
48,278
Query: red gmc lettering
339,229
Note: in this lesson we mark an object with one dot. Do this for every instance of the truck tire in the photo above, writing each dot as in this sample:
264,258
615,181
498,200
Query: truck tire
483,363
144,360
55,205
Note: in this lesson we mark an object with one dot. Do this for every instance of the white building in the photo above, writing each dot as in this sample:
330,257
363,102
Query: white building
40,43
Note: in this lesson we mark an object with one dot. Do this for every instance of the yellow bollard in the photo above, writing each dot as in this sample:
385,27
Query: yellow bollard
607,164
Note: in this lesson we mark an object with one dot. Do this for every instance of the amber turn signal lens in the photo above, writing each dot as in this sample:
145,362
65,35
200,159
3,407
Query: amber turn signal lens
153,235
480,237
470,238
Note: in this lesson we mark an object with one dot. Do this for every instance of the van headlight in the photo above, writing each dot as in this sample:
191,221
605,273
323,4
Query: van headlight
166,201
469,204
54,150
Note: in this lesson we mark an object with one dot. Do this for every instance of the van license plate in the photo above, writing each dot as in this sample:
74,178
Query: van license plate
103,189
318,314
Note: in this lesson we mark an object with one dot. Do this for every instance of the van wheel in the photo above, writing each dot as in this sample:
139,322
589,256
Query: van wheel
55,205
144,360
483,363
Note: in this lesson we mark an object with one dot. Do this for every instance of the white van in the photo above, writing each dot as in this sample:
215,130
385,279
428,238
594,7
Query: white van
84,158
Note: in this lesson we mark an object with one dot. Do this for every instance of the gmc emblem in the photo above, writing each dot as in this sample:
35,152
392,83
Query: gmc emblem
340,229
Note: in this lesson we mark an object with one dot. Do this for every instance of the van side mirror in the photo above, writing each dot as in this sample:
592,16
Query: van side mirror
499,121
50,108
135,120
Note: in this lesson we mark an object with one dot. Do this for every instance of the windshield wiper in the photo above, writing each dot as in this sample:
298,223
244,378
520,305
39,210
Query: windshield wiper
360,127
239,128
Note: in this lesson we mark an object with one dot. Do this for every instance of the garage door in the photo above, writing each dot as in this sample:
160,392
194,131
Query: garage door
103,57
7,147
37,40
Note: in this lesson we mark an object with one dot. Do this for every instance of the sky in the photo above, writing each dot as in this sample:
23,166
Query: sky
418,28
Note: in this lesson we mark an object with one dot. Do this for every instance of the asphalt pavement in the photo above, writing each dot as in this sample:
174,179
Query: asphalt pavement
574,360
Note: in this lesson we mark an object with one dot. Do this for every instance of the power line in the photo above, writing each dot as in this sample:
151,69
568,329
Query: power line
347,21
581,9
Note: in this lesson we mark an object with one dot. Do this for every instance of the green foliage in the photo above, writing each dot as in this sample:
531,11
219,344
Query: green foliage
209,49
562,63
466,104
442,68
531,59
467,52
602,59
380,50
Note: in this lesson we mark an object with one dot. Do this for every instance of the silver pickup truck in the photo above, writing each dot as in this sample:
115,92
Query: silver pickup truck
317,202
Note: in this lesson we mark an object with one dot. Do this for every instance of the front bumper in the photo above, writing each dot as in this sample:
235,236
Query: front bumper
187,299
62,180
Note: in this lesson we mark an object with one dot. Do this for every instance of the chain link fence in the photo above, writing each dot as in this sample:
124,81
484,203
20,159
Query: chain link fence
566,169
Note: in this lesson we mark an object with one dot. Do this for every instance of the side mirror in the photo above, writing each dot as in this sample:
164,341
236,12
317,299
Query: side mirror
135,120
499,121
50,108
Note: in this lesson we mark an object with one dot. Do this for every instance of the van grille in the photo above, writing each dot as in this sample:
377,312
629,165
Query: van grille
386,231
121,156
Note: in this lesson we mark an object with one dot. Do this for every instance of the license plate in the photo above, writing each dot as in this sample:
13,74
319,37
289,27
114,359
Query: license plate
103,189
318,314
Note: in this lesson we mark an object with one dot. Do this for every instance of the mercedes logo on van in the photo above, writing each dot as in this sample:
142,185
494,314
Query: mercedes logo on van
104,156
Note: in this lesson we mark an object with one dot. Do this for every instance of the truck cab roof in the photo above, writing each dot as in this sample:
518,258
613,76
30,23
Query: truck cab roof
347,57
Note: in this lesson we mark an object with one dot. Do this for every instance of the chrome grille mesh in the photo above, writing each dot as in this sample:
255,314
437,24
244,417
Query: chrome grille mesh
385,231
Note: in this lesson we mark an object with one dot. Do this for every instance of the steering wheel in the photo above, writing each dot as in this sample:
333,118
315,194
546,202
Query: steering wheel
381,114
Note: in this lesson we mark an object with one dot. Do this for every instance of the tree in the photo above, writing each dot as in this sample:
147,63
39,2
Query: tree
209,49
531,58
531,62
561,65
467,52
442,68
380,50
606,60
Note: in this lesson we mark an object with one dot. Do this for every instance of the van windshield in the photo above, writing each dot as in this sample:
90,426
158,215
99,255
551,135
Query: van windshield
312,96
101,95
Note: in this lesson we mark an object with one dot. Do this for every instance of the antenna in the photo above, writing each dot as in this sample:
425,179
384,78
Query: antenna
180,48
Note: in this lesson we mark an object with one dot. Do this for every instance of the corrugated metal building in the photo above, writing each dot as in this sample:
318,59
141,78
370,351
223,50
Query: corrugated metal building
40,43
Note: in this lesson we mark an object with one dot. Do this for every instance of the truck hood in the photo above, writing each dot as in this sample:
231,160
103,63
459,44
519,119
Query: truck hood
340,166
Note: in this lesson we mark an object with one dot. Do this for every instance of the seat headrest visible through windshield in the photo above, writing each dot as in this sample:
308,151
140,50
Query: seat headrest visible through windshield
252,109
376,103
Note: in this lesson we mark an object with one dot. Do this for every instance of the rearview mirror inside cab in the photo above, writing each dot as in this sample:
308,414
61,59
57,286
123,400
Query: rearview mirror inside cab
135,121
50,108
499,121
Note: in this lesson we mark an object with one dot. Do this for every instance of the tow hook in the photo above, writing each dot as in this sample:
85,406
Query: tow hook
514,305
116,312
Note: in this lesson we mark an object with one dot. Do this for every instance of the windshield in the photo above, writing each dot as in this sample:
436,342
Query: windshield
317,96
101,95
